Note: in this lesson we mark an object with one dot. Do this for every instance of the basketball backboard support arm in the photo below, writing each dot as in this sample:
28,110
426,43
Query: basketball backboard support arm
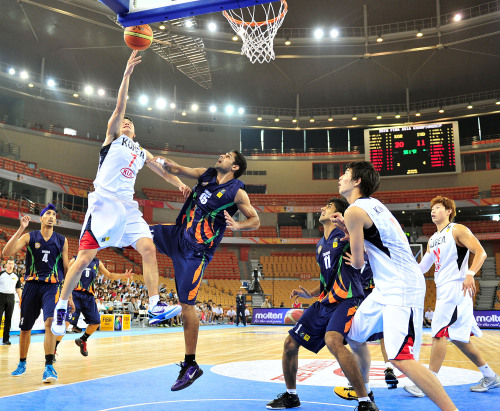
135,12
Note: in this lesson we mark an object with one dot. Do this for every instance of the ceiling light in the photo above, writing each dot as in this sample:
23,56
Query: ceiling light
469,106
311,120
330,118
212,26
318,33
294,120
172,105
379,117
212,108
162,27
75,94
259,118
51,82
457,17
31,85
235,38
161,103
441,110
189,23
334,33
184,113
150,108
354,117
497,102
143,100
380,39
229,109
101,92
194,107
417,114
419,33
12,71
24,74
398,115
88,90
241,110
287,41
276,119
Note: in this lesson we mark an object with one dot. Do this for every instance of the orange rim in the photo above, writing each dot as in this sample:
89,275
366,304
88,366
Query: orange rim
258,23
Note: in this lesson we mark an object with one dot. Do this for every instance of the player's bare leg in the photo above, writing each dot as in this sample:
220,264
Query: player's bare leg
290,362
471,352
147,249
390,377
438,353
363,358
24,343
49,342
191,328
426,381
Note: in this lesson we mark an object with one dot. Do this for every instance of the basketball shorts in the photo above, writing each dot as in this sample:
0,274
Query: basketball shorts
37,295
112,222
85,304
401,327
189,264
318,319
453,316
376,336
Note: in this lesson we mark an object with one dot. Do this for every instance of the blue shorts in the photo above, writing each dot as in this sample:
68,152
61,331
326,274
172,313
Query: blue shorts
189,264
37,295
85,304
318,319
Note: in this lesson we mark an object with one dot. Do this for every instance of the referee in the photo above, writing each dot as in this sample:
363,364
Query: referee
9,285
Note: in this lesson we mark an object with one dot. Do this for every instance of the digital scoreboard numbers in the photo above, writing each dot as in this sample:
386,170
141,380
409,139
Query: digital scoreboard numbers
410,150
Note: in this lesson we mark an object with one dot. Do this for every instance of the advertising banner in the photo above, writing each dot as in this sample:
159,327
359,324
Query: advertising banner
276,316
487,319
107,322
126,322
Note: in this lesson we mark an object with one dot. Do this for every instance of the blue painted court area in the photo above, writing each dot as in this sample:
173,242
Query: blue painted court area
150,390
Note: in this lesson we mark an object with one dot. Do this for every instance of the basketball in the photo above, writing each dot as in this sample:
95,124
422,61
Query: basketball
293,315
138,37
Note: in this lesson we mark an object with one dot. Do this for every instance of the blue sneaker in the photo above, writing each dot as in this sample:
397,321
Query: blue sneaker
163,311
58,326
187,375
20,370
49,375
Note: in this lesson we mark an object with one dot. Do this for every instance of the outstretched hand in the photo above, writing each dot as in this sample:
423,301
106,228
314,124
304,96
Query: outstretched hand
25,220
185,190
339,222
300,293
128,274
230,223
133,61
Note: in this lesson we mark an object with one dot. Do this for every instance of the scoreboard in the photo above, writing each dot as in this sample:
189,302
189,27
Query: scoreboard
410,150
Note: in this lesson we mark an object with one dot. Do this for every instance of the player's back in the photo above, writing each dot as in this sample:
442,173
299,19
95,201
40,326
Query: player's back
119,163
44,258
88,278
397,276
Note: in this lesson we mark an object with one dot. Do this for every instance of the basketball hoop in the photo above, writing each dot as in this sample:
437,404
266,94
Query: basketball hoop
257,36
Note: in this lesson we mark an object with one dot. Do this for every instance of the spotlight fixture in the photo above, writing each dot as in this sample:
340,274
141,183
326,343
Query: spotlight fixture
380,39
229,109
75,95
417,114
379,117
212,26
31,85
419,33
143,100
12,71
441,110
469,106
24,74
311,120
162,27
330,118
294,120
457,17
194,107
259,118
101,92
161,103
150,108
287,41
235,38
318,33
334,33
88,90
184,113
189,23
241,111
354,117
173,105
398,115
51,82
497,102
212,108
276,119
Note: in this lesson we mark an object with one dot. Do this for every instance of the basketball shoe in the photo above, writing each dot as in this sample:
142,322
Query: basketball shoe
50,374
390,378
414,390
163,311
366,406
486,384
189,373
20,370
58,326
285,400
348,393
83,347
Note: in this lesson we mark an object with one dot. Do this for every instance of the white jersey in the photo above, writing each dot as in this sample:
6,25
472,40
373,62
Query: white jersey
397,276
119,163
451,261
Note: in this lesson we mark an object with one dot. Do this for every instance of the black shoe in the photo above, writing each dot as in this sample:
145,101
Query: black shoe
83,347
7,343
390,378
366,406
189,373
283,401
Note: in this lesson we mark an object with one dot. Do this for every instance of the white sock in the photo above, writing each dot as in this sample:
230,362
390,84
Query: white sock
291,391
487,371
435,373
153,300
367,386
361,399
62,304
389,365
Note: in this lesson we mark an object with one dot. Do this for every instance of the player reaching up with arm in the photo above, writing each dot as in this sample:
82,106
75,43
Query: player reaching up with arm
113,218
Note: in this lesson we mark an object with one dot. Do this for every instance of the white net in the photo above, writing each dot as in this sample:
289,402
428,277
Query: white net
257,26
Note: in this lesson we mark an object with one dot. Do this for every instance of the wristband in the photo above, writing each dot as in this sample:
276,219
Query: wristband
470,272
362,268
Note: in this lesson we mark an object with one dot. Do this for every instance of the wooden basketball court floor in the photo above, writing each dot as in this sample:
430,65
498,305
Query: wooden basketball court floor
242,371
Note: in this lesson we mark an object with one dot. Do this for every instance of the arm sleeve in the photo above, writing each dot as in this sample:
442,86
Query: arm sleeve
426,263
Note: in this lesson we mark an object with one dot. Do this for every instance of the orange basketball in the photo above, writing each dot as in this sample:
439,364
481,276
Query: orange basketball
138,37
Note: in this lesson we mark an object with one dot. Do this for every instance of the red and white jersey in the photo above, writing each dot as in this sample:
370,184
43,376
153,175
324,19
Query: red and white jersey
397,276
451,261
119,163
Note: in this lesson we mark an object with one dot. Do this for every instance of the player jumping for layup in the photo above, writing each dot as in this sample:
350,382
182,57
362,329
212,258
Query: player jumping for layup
199,228
449,249
113,218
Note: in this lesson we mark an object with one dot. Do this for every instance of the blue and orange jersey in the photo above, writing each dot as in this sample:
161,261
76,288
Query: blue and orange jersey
339,281
88,278
202,215
44,258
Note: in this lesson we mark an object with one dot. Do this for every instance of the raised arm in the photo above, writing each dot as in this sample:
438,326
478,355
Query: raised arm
18,241
252,221
355,219
115,121
114,276
157,167
171,167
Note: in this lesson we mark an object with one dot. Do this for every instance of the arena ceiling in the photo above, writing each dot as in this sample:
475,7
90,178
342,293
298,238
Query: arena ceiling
451,65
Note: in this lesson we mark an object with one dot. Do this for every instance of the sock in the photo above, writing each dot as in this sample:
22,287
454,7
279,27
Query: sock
367,386
22,359
389,365
435,373
487,371
364,399
291,391
84,337
49,359
153,301
62,304
57,343
190,359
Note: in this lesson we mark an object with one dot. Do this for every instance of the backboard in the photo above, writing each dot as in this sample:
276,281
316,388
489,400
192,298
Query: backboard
135,12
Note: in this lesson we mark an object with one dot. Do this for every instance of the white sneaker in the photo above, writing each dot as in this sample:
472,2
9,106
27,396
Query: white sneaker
486,384
414,390
58,326
162,311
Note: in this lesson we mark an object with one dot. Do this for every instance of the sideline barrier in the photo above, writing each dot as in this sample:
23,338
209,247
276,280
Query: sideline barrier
276,316
115,322
488,319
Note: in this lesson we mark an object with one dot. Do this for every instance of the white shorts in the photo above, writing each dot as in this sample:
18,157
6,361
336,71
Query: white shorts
453,315
112,222
402,328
